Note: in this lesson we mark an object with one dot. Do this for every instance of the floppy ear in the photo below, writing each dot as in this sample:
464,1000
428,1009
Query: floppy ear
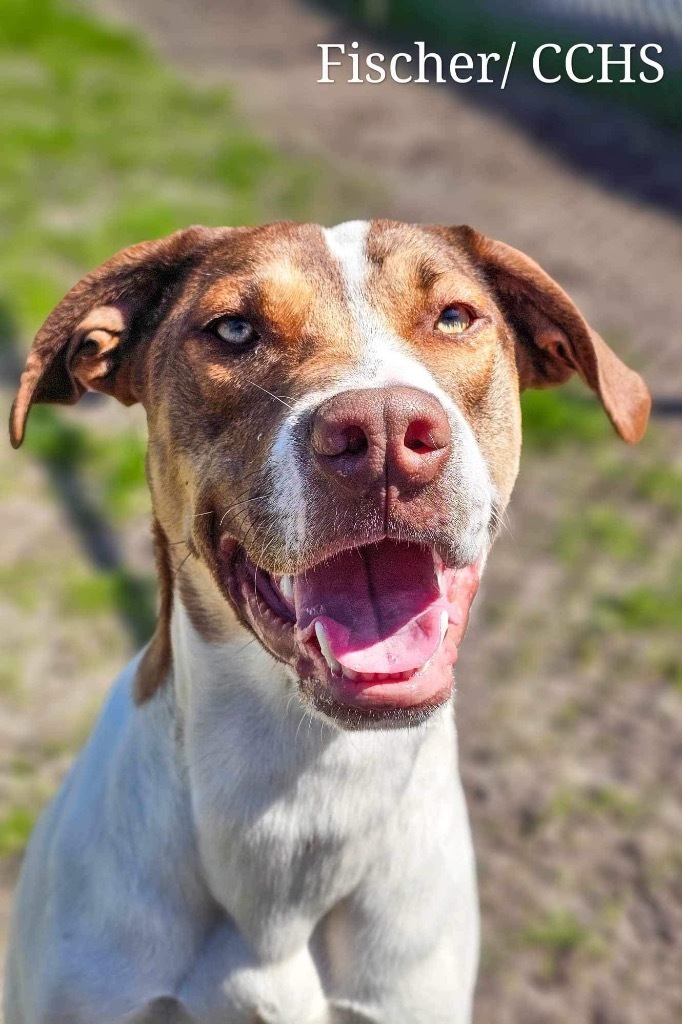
553,340
90,340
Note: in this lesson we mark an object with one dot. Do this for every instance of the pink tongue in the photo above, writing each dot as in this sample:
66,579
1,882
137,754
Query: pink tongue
380,606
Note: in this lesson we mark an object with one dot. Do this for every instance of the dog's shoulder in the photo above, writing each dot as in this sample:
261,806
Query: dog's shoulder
111,833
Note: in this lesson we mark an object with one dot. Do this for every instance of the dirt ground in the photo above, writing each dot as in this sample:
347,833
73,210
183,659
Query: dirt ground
569,713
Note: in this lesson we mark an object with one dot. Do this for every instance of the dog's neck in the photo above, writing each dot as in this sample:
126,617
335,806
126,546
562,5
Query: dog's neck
241,717
272,785
266,775
236,684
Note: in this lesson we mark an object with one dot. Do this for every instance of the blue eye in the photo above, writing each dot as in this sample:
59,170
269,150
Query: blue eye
236,331
454,320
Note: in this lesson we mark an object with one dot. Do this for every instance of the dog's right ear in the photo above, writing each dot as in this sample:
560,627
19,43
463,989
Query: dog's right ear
91,340
553,340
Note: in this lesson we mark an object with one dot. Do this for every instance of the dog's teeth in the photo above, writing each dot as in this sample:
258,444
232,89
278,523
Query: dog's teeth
349,673
443,626
286,586
325,648
438,567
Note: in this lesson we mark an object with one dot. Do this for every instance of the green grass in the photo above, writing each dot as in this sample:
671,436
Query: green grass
560,935
456,26
600,529
670,667
661,484
607,800
116,465
120,466
55,442
15,828
101,146
89,593
10,674
644,606
559,931
553,418
20,583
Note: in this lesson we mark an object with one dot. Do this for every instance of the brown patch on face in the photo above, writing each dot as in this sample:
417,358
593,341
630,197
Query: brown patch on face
286,299
415,274
211,418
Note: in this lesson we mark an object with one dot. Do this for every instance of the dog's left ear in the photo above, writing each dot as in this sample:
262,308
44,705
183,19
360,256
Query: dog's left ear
90,340
553,340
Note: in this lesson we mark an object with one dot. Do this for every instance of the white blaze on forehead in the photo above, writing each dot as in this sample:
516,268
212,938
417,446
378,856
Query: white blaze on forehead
348,243
382,359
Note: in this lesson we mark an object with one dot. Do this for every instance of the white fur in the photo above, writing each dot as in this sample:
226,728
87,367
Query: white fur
220,846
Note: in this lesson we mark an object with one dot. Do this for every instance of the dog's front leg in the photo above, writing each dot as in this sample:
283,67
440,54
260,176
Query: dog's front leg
162,1010
230,985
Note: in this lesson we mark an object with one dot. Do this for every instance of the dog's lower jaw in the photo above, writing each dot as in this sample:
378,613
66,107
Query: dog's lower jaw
392,611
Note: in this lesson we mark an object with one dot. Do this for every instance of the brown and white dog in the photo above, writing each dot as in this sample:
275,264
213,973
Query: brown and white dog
252,832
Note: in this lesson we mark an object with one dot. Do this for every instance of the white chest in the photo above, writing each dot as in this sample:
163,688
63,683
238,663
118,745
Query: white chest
292,815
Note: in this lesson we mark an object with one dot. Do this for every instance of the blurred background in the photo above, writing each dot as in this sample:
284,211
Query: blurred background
125,119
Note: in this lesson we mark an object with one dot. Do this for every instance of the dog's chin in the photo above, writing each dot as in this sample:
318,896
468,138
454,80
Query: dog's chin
371,633
375,705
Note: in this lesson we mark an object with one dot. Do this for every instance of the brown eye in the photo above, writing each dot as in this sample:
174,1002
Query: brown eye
454,320
235,331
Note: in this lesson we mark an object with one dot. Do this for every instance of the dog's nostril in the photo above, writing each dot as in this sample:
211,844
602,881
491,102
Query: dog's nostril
334,440
419,438
356,441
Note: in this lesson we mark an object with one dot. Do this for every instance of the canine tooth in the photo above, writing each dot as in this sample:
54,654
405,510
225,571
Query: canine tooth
286,586
427,665
438,567
349,673
444,621
325,648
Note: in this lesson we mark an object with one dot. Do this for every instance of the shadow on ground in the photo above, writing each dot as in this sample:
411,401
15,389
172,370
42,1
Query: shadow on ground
62,461
613,144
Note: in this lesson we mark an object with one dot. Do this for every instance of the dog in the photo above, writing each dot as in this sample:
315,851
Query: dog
267,823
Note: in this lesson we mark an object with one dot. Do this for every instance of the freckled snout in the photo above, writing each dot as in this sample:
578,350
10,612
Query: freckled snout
397,436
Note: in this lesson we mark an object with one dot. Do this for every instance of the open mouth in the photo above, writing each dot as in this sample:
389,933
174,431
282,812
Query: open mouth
371,632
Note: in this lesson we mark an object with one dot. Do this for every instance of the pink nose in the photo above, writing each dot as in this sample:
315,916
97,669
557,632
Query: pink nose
397,435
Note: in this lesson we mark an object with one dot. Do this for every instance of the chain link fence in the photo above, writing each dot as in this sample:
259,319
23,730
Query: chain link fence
626,137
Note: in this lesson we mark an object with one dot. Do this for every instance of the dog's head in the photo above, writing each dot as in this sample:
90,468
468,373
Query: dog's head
334,430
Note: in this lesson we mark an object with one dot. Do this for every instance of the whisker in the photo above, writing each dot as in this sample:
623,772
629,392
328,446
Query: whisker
177,571
247,644
299,725
255,588
247,476
265,391
246,501
247,534
292,697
